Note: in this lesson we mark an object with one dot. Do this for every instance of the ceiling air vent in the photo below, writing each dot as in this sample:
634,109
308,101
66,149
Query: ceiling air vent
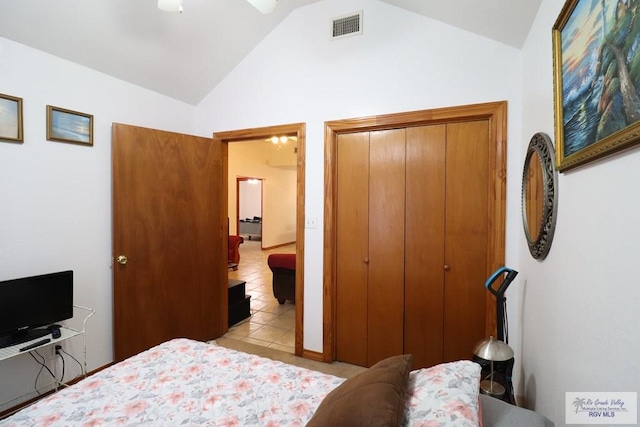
349,25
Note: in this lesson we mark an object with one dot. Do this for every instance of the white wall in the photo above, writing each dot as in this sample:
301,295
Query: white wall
254,159
401,62
55,198
250,199
580,305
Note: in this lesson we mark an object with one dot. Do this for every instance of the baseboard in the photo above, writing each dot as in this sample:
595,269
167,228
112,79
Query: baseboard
279,246
313,355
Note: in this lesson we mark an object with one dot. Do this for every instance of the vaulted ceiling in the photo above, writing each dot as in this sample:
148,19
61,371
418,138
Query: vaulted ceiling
186,55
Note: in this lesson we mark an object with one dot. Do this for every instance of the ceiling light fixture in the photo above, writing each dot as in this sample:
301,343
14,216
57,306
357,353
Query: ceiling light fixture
264,6
170,5
279,141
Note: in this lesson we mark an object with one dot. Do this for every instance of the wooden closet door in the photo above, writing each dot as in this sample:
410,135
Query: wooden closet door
352,247
466,237
424,245
386,244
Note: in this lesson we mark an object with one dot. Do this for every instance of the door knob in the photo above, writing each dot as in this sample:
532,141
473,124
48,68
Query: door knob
366,260
122,259
446,267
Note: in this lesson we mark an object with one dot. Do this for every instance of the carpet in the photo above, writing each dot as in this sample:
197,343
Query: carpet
339,369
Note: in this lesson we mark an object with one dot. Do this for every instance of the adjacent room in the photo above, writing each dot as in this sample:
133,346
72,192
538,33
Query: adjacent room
402,151
262,203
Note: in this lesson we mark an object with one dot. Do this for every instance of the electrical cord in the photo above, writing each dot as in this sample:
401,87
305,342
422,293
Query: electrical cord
505,322
63,364
35,383
42,366
77,361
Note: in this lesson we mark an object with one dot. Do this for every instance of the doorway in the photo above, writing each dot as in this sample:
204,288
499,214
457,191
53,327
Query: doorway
249,203
297,131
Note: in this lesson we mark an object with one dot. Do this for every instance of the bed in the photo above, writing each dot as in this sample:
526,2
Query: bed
186,382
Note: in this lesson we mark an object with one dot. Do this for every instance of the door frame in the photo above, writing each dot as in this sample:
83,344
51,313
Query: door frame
299,131
496,114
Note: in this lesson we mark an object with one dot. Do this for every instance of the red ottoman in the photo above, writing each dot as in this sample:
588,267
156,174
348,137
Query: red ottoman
283,267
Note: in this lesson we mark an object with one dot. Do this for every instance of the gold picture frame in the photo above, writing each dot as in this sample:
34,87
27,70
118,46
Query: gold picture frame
596,80
69,126
11,127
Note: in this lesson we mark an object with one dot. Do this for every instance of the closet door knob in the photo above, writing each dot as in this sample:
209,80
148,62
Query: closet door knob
446,267
122,259
366,260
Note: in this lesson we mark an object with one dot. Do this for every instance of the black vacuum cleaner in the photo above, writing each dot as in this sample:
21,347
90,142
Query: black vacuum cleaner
494,355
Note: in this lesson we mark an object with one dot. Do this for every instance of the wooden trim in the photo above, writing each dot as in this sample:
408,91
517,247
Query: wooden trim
331,131
223,276
293,129
300,239
417,118
496,114
237,221
278,246
313,355
298,130
497,209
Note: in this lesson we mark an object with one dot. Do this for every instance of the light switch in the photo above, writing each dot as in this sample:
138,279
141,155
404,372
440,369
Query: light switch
311,222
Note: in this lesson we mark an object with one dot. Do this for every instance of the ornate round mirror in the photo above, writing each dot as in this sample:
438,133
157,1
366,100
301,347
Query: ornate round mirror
539,195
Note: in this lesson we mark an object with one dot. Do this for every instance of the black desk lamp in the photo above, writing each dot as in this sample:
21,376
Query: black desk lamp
493,351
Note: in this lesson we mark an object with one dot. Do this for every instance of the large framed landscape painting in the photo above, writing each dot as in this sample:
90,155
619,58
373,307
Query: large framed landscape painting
596,66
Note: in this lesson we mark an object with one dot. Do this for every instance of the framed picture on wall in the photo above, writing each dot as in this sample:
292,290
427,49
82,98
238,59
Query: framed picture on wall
596,66
69,126
10,118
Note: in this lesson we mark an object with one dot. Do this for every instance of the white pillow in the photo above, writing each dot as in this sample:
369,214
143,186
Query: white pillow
444,395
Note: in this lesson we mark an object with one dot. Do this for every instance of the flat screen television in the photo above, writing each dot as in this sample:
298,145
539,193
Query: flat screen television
29,304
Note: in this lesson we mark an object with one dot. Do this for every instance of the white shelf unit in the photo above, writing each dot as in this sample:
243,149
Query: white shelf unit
66,333
251,228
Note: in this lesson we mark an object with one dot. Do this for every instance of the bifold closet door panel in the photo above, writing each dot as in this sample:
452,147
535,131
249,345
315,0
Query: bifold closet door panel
466,237
352,247
386,243
424,244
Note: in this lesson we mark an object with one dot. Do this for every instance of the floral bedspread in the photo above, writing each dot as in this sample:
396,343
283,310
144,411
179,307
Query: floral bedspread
444,395
184,382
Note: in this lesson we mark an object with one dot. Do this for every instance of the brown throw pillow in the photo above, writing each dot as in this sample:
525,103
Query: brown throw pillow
374,397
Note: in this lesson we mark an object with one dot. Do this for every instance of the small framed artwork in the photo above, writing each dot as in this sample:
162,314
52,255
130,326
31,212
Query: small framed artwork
596,80
69,126
10,119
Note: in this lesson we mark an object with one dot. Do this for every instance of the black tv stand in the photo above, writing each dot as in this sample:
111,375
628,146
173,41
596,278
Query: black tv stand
23,336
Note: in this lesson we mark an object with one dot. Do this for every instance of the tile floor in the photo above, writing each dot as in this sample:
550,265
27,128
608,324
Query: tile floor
271,324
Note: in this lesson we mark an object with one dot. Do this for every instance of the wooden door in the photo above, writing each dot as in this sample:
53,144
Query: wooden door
466,237
352,247
385,304
370,246
168,220
424,234
482,177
